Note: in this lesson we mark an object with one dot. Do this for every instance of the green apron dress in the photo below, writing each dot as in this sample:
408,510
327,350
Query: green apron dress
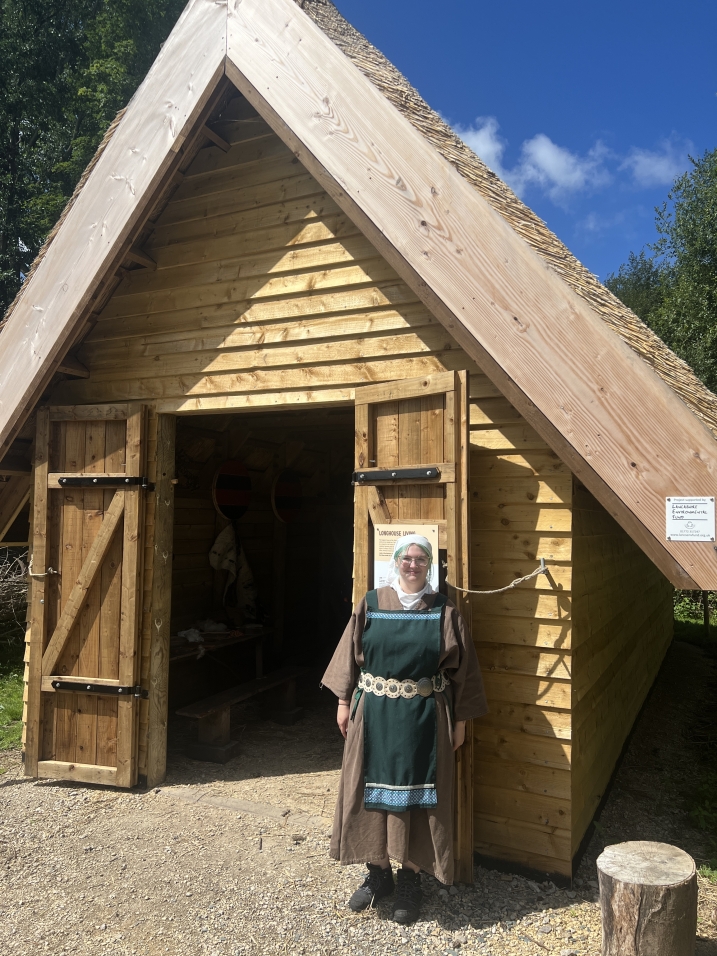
399,731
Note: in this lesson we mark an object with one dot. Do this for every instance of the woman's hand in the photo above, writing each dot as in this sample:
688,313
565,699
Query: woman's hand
459,733
342,717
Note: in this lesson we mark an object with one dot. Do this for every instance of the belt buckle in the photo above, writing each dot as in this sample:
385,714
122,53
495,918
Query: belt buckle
424,686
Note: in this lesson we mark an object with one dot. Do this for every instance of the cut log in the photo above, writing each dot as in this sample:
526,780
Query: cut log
648,898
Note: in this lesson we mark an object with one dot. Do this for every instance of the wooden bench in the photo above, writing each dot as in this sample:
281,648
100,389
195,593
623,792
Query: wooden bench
213,713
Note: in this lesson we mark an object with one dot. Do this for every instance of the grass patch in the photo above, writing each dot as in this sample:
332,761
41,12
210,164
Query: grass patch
12,645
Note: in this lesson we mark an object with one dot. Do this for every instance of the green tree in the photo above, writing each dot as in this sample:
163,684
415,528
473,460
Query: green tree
674,290
67,67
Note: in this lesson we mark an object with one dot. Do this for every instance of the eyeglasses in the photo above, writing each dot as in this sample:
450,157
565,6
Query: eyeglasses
419,562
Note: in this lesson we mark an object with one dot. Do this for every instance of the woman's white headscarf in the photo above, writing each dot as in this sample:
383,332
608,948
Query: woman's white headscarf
409,601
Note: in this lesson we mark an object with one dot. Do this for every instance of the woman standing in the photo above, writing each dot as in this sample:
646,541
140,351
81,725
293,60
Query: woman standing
407,678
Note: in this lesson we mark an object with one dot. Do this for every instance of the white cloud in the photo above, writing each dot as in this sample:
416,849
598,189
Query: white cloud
484,140
556,170
659,167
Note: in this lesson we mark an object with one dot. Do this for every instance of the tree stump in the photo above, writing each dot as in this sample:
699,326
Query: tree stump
648,898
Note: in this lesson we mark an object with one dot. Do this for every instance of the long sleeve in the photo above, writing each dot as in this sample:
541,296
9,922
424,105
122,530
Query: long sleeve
462,667
343,671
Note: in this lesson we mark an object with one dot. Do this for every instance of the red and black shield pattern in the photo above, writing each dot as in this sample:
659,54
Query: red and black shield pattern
231,489
286,496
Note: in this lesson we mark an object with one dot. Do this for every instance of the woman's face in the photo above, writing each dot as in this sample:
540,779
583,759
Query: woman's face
413,569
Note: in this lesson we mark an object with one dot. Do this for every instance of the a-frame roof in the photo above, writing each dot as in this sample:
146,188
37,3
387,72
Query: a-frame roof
551,338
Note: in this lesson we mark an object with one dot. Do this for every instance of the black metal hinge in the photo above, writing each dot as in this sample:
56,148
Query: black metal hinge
109,689
394,474
102,482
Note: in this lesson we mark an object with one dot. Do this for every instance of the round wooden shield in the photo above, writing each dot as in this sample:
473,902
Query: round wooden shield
231,489
286,496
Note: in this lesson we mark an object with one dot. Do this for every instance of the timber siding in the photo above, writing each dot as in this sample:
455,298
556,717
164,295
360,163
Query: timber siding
264,292
622,627
266,295
521,510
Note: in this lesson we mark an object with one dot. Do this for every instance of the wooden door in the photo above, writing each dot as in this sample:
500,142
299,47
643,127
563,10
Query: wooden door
419,424
88,512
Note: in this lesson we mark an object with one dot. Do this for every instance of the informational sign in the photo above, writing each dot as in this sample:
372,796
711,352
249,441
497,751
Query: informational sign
385,537
690,519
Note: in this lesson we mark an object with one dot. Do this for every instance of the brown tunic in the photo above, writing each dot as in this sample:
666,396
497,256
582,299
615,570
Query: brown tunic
422,835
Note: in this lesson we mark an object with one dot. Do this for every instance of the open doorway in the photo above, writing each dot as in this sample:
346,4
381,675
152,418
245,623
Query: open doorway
262,577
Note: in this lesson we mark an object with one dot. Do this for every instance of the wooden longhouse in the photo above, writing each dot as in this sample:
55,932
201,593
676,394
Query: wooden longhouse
281,255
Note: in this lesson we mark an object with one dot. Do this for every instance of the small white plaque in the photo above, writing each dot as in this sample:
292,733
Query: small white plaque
690,519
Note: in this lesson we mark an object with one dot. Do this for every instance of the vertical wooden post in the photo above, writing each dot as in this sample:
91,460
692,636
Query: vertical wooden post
161,606
464,761
361,505
38,614
131,598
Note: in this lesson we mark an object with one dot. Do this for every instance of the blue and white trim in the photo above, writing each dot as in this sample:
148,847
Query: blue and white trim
404,615
382,797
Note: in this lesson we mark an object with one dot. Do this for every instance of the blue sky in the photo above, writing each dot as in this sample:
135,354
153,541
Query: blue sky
588,110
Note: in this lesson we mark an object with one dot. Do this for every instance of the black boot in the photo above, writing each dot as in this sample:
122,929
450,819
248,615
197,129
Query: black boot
378,883
408,897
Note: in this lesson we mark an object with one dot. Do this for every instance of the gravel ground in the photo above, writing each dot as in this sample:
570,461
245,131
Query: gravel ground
233,860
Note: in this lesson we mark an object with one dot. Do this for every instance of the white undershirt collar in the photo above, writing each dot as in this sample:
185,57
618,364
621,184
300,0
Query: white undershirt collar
410,601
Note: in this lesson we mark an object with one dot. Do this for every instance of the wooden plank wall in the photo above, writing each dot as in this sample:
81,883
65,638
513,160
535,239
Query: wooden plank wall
521,500
622,626
264,294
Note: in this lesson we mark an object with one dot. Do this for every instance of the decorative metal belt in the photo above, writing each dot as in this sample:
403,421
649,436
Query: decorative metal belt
383,687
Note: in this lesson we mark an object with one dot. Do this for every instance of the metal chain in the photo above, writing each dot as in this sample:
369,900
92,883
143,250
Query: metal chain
513,584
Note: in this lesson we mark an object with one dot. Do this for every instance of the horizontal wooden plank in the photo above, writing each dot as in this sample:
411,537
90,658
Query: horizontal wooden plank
240,291
251,243
248,312
316,207
233,178
80,772
515,659
308,377
480,386
503,491
524,631
530,719
107,368
328,398
541,864
522,602
72,413
239,335
519,436
550,842
516,805
518,689
521,748
431,385
493,411
259,150
520,517
501,464
226,270
517,775
295,184
510,546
